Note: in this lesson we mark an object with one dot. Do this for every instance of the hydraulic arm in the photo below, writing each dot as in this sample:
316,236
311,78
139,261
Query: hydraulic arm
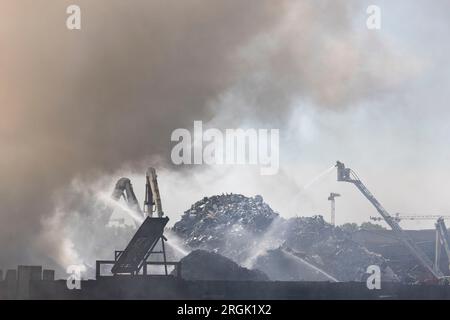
125,189
152,198
348,175
442,240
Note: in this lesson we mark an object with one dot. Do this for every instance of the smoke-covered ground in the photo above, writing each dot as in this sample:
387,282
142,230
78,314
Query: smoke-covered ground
80,109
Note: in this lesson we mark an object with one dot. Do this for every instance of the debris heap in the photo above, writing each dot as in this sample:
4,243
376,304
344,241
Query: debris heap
250,233
332,249
204,265
227,224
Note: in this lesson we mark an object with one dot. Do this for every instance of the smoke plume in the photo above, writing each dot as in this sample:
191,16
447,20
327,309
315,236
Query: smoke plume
86,105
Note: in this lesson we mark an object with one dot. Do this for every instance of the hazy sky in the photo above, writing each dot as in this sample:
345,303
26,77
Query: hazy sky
98,103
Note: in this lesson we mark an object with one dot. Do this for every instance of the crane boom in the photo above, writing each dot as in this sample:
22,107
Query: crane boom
399,217
124,189
347,175
152,196
442,239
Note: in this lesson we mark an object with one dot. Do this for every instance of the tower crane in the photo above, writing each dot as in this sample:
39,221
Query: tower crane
347,175
399,217
152,201
333,206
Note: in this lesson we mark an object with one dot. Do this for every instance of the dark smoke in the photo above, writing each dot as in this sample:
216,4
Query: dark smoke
77,102
86,103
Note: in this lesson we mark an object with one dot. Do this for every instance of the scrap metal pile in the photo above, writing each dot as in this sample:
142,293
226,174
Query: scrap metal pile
247,231
332,249
226,224
205,265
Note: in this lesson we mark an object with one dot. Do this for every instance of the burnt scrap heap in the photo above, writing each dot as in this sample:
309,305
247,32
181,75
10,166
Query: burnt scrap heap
226,224
332,249
206,265
248,231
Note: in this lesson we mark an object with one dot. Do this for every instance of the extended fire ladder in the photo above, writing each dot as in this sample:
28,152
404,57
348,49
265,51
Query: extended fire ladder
442,240
348,175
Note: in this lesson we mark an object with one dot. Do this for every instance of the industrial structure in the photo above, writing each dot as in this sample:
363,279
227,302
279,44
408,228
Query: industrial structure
442,239
332,198
347,175
399,217
136,257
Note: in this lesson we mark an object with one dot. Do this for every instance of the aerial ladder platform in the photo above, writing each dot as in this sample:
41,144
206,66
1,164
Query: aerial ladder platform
347,175
442,240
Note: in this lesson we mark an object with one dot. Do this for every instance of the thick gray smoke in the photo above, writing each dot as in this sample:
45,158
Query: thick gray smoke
74,103
85,104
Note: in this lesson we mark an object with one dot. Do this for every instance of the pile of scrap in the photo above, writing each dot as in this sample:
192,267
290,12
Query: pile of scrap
205,265
389,246
247,231
332,249
227,224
